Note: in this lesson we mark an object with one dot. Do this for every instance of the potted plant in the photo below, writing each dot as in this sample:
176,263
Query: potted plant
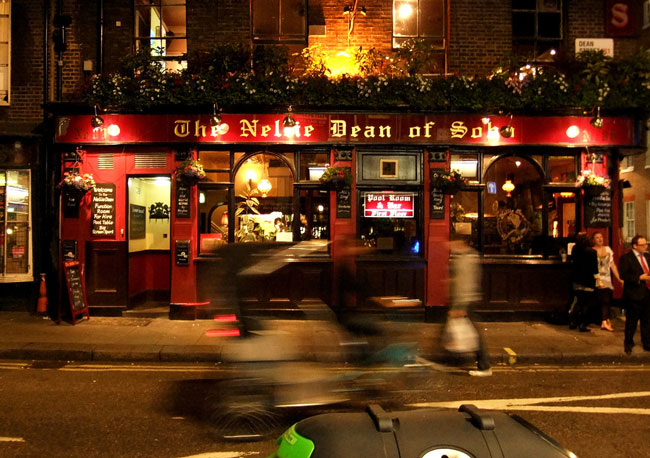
591,183
336,177
449,182
189,172
74,183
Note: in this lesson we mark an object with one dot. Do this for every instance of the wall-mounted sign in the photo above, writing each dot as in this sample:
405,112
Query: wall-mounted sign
69,250
182,201
437,207
137,222
441,129
182,251
623,18
103,210
606,45
344,203
598,209
388,205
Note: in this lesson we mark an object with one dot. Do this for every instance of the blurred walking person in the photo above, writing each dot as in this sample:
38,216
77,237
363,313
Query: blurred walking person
460,333
635,273
585,275
604,286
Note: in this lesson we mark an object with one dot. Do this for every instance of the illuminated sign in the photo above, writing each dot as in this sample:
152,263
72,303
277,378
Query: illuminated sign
311,128
388,205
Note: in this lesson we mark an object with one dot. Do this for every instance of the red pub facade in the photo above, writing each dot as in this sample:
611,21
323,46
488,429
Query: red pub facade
143,236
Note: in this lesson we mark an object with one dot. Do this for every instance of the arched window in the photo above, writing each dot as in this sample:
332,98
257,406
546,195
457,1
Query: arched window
513,206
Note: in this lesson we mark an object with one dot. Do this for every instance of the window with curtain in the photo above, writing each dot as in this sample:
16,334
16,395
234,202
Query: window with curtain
279,21
419,19
160,26
5,52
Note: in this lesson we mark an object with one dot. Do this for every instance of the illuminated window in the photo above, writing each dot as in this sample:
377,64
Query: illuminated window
279,20
15,224
160,26
419,19
536,27
5,52
629,225
562,169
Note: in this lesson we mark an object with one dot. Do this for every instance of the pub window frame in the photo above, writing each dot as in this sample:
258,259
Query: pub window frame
4,223
164,37
5,62
420,34
538,13
280,36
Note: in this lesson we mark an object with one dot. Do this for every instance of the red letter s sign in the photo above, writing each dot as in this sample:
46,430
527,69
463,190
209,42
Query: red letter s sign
620,17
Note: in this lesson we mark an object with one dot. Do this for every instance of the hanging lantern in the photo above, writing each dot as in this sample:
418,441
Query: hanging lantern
508,187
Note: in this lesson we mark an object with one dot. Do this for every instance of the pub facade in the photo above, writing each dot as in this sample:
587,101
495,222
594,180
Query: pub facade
144,234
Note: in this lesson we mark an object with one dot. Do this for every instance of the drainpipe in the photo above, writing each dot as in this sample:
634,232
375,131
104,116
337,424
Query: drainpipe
100,38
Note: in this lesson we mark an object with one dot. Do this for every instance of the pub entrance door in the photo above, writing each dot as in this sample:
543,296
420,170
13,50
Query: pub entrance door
148,230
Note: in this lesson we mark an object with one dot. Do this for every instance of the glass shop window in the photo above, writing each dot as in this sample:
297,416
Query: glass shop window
513,207
279,20
312,165
160,26
466,164
390,222
464,217
264,200
314,225
213,219
216,165
15,222
562,169
561,220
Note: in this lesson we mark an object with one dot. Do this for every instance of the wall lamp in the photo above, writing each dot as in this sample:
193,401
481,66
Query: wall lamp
96,121
597,121
215,119
288,120
507,131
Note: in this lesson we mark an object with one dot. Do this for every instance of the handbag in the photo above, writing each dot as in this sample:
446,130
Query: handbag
460,335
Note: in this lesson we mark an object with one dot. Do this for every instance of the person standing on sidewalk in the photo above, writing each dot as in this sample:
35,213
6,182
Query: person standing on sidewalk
634,268
604,286
585,274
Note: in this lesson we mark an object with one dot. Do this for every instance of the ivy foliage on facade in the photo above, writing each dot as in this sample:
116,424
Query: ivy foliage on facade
238,80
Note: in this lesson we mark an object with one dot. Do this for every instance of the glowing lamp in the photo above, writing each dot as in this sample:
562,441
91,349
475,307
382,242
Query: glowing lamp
508,187
264,187
113,130
573,131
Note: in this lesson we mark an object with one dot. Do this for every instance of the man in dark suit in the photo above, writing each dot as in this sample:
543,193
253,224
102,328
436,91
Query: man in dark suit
634,269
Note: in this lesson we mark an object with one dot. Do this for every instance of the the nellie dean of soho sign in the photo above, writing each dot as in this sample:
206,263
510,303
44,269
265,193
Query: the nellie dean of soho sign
347,128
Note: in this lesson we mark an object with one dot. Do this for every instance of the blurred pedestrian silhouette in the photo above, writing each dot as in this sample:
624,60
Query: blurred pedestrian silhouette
460,334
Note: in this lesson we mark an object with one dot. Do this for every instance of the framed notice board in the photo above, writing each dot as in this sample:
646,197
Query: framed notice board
598,208
76,289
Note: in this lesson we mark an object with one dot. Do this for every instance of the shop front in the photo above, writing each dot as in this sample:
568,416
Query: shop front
331,196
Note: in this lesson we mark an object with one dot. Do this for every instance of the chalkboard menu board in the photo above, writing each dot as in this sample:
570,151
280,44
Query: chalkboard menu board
598,208
182,201
343,203
76,289
437,201
137,222
103,210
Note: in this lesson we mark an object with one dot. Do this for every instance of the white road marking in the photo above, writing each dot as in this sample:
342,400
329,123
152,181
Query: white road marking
533,404
222,455
11,439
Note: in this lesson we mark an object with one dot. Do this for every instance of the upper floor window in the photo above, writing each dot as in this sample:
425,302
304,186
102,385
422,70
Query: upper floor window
5,51
536,27
423,19
160,26
279,20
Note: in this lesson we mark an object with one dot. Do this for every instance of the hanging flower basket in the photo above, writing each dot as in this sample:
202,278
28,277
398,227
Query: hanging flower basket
448,182
73,183
336,178
189,172
591,183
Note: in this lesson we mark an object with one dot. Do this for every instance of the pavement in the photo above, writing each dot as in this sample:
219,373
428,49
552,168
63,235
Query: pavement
25,336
